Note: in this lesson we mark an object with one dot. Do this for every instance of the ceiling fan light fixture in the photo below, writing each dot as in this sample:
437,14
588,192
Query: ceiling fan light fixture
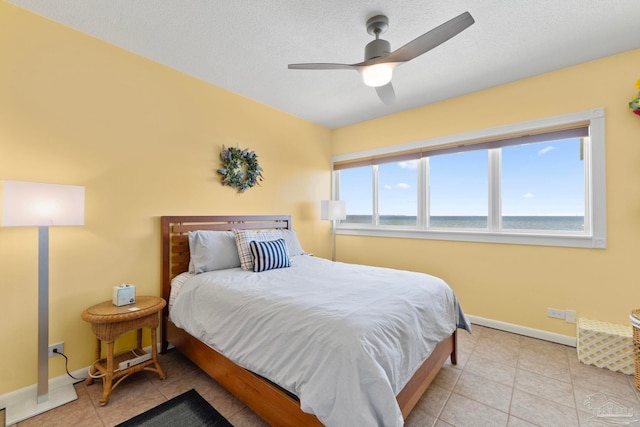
379,62
377,75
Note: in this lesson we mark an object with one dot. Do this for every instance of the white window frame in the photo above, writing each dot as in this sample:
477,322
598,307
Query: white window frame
595,235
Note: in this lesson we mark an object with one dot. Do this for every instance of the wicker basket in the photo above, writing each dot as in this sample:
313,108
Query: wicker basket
635,322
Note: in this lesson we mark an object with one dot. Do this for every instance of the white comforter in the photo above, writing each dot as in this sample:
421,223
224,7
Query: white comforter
344,338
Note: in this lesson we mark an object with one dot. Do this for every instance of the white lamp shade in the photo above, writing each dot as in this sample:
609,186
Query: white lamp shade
28,204
333,210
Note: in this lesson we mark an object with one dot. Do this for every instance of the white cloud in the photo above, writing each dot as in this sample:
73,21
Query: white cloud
411,164
387,187
527,196
402,185
545,150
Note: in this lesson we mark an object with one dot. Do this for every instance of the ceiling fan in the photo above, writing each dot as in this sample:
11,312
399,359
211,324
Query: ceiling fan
377,68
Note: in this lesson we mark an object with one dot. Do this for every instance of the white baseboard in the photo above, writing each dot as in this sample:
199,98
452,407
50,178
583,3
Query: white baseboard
21,404
523,330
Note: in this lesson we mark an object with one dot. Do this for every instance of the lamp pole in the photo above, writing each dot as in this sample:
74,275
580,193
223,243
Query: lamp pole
333,210
43,314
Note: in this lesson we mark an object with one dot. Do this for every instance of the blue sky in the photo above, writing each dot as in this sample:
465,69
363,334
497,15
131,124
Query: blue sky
537,179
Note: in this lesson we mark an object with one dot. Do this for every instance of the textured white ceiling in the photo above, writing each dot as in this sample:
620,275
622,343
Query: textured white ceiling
245,45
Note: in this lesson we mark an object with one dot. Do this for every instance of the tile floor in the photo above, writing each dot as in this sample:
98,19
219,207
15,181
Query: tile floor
501,379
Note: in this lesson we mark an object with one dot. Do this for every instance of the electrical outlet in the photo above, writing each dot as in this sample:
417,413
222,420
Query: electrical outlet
555,313
59,348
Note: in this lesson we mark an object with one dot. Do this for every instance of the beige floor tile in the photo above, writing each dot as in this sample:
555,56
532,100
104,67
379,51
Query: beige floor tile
485,391
632,381
542,412
600,379
590,420
551,351
433,400
480,328
589,400
548,388
517,422
246,418
506,338
593,409
546,364
545,347
469,338
505,353
447,377
462,412
419,418
175,366
486,367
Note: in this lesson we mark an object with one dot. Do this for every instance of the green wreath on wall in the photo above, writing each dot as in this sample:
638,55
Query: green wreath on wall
240,168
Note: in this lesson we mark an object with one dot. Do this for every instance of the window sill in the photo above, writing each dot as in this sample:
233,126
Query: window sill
517,238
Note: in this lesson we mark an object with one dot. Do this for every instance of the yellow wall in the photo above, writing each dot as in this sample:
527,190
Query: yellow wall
144,140
516,283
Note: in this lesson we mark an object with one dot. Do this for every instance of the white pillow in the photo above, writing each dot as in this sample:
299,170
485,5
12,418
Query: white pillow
293,245
212,250
244,237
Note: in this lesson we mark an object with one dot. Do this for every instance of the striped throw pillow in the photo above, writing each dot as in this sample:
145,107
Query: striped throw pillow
268,255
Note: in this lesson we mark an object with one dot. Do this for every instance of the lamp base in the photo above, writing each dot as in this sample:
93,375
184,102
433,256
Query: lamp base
23,404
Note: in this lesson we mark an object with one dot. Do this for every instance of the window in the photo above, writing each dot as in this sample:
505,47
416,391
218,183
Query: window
458,184
538,182
358,189
543,185
397,193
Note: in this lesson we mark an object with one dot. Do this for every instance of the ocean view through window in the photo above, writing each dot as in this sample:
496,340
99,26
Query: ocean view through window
539,182
534,222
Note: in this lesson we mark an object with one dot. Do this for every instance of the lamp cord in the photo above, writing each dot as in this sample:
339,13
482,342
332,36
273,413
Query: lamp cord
66,365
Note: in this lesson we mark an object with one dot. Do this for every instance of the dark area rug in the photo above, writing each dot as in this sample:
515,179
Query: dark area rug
187,410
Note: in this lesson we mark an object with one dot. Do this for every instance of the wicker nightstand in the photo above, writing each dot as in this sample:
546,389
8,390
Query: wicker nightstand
110,322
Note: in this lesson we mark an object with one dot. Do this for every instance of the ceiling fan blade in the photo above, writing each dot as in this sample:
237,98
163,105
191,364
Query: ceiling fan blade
386,93
430,39
321,66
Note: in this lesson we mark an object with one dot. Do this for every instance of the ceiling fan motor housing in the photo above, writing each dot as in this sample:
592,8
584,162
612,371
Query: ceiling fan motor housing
376,49
377,25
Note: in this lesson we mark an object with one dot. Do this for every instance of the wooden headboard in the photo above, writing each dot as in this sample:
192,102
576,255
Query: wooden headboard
175,238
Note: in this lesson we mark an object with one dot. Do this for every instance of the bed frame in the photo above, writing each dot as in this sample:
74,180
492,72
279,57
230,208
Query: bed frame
275,405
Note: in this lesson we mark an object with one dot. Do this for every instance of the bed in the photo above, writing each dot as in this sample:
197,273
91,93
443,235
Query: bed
267,388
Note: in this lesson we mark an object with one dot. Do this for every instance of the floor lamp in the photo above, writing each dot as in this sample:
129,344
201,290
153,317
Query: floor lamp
32,204
333,210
